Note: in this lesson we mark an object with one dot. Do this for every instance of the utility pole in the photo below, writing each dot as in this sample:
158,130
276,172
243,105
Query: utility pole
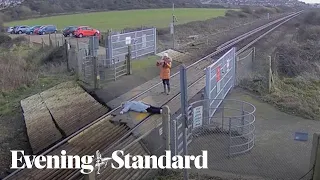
172,25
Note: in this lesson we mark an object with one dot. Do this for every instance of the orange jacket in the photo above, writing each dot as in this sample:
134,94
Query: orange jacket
164,69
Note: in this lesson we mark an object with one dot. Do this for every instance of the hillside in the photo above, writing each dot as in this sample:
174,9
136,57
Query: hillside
32,8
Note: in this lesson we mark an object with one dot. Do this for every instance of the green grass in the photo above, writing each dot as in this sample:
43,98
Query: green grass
10,101
123,19
144,63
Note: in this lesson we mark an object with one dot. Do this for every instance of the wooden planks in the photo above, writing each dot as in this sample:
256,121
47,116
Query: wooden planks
71,108
41,130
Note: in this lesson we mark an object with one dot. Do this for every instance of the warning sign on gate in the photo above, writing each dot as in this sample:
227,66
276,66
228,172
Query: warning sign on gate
218,75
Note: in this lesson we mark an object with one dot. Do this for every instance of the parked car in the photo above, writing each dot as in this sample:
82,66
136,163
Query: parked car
48,29
21,29
83,31
10,30
69,31
31,29
14,29
36,30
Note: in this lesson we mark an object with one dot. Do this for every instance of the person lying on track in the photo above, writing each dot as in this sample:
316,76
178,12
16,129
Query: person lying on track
139,106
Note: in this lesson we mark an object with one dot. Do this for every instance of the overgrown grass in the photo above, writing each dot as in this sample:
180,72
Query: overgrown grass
297,96
10,101
26,70
296,85
124,19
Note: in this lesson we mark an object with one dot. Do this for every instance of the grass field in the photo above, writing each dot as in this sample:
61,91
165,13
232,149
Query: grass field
123,19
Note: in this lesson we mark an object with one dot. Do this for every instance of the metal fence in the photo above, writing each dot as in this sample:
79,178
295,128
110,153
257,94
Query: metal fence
231,128
142,42
244,64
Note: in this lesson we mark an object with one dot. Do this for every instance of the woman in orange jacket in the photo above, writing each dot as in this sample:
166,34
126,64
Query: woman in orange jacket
165,65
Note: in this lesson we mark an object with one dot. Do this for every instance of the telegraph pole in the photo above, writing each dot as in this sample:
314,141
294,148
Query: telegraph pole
172,25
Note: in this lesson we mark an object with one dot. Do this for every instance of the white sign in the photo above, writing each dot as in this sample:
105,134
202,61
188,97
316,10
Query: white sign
128,40
197,116
144,40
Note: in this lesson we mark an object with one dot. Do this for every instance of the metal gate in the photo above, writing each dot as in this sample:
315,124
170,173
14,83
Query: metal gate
220,78
142,43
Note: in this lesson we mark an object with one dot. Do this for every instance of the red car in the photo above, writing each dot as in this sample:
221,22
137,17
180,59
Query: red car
83,31
36,30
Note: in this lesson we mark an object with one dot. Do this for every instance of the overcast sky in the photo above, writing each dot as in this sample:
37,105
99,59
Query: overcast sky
311,1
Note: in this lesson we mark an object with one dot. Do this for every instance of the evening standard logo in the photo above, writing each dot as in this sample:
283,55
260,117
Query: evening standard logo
87,164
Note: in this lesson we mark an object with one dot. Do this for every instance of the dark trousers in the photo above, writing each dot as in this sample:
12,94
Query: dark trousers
154,110
166,82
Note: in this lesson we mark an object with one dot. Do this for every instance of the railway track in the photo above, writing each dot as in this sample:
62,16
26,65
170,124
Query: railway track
93,136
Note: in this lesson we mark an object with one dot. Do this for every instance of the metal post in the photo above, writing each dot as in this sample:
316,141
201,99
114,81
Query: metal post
242,118
91,176
166,121
67,55
184,110
230,136
315,156
173,20
95,73
129,69
115,70
155,40
207,94
222,116
270,75
254,54
55,38
174,137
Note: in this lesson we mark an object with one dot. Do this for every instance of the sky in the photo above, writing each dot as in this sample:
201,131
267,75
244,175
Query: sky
310,1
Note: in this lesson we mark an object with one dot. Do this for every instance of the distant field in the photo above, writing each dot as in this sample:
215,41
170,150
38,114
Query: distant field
122,19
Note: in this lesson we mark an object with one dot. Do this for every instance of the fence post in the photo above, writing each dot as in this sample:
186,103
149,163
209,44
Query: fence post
95,80
184,111
166,121
55,39
129,70
91,176
50,41
315,156
67,53
115,70
253,54
42,42
270,80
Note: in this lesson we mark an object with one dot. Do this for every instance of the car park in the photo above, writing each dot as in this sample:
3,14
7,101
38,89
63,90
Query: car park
21,29
83,31
69,31
48,29
31,29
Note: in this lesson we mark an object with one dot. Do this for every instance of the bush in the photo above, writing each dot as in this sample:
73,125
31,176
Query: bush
247,10
4,38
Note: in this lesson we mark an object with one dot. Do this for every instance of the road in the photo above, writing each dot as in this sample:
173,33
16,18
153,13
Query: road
58,40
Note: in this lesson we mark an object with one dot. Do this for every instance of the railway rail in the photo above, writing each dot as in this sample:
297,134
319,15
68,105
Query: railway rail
124,133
